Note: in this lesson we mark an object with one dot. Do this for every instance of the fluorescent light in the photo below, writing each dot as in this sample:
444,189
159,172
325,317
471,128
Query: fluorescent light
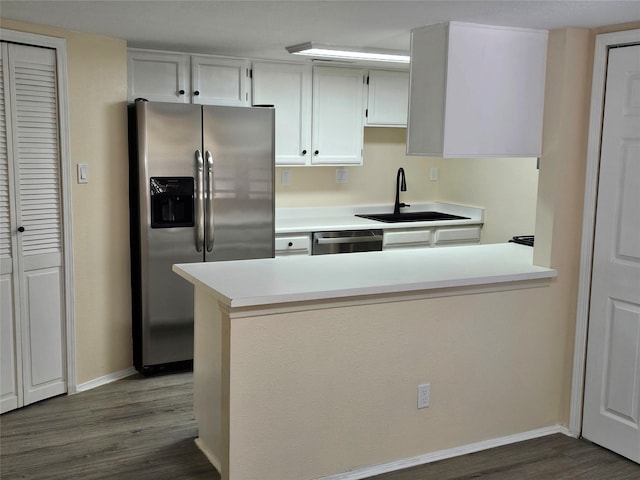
323,50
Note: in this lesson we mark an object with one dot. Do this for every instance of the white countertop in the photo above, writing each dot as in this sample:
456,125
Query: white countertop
270,281
315,219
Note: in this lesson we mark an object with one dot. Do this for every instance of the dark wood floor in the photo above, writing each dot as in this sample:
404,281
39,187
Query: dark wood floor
142,428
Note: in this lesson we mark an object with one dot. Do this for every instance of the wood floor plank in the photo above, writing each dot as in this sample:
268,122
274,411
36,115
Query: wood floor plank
143,429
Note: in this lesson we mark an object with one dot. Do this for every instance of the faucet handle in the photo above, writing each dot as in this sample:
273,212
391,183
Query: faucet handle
402,205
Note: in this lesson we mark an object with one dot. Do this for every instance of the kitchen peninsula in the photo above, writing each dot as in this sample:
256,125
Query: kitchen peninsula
307,367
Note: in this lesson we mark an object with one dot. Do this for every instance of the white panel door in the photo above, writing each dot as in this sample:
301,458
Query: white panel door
288,88
612,383
220,81
388,98
158,76
338,115
34,161
9,341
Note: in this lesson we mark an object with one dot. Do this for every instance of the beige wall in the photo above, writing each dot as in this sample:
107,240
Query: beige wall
373,183
505,187
97,84
342,382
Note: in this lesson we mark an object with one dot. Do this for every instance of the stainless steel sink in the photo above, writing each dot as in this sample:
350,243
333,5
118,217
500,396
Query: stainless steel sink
411,217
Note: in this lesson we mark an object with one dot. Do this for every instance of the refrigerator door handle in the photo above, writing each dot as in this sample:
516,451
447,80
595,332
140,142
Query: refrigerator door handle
209,229
199,234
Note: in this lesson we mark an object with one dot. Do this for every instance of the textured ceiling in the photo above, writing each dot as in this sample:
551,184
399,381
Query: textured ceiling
262,29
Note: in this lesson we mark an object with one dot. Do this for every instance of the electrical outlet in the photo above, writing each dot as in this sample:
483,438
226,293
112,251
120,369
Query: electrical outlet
433,174
424,395
342,175
285,177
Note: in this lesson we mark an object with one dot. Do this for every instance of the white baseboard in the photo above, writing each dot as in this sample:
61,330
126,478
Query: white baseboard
448,453
209,454
103,380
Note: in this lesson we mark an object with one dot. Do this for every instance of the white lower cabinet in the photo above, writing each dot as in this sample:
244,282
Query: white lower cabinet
421,237
409,238
455,235
293,245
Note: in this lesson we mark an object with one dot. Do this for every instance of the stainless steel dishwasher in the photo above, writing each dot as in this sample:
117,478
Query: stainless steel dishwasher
346,241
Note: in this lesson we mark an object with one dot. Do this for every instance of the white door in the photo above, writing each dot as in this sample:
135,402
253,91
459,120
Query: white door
33,334
9,339
388,98
338,115
288,88
612,384
158,76
220,81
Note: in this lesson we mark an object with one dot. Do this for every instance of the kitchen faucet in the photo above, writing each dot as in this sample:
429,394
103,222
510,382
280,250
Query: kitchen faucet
401,185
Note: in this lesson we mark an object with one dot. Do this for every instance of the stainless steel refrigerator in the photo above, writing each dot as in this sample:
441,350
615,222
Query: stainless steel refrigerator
201,189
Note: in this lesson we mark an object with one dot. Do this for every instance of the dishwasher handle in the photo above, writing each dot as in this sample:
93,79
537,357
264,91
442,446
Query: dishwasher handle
320,239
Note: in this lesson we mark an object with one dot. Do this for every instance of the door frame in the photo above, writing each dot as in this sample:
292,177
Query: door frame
602,45
60,46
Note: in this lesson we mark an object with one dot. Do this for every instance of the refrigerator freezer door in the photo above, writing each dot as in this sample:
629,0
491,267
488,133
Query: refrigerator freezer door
240,143
169,135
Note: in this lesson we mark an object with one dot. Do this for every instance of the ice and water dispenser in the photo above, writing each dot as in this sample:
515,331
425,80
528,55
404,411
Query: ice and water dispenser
172,203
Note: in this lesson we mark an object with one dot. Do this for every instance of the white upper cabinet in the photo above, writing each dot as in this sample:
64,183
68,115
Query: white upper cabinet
476,91
183,78
338,116
287,87
388,98
319,111
220,80
158,76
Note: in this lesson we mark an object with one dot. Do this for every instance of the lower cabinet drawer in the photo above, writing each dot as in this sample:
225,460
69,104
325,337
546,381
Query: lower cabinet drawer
457,235
406,238
290,245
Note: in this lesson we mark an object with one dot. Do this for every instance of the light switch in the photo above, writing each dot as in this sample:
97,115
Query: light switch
433,174
285,177
83,173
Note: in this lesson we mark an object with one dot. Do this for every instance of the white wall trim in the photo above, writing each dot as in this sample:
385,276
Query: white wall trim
60,46
448,453
105,379
603,43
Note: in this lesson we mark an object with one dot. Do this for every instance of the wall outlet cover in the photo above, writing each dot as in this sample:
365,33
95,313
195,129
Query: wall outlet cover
424,395
285,177
342,175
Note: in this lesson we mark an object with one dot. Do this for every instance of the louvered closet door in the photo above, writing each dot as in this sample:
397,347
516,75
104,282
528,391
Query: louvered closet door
37,238
9,342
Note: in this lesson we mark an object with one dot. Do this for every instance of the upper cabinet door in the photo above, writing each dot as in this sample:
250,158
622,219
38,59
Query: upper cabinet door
388,98
476,91
220,81
338,115
158,76
288,88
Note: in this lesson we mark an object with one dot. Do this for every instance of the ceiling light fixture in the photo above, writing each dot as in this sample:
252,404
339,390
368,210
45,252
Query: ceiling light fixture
325,50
